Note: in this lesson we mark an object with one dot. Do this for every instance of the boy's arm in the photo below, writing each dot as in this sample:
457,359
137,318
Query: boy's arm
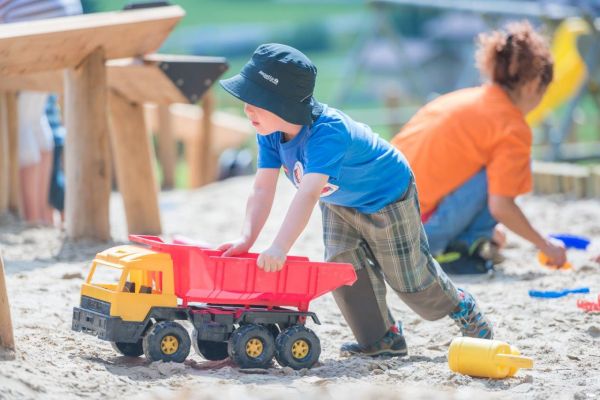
294,222
506,211
258,208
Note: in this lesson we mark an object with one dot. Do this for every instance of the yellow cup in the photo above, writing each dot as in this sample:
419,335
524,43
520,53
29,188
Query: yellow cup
543,259
485,358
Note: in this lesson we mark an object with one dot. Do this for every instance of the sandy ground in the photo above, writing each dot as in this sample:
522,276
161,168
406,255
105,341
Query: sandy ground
45,273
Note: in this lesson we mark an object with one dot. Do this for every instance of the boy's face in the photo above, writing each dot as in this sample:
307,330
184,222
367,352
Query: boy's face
265,122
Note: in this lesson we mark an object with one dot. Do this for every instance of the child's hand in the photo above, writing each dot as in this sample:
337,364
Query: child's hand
235,247
557,255
271,260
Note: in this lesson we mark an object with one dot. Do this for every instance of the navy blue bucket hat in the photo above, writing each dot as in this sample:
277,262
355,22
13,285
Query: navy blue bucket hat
279,79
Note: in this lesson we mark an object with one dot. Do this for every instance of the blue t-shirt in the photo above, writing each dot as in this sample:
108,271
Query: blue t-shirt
365,172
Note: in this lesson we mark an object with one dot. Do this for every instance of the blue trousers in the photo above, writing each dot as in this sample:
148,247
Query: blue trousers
462,216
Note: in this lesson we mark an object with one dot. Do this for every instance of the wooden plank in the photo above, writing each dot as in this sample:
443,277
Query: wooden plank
138,81
142,82
579,151
134,163
7,339
565,178
64,42
87,158
167,147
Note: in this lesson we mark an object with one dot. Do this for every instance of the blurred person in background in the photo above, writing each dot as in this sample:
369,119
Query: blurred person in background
36,141
470,151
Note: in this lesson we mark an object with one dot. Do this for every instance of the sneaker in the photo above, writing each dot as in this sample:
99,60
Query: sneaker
488,250
392,344
470,319
459,260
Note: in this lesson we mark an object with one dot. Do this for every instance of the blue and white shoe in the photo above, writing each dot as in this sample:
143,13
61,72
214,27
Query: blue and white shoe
470,319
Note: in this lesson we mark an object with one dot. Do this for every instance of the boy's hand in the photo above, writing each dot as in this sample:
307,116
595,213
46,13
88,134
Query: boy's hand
272,259
235,247
557,255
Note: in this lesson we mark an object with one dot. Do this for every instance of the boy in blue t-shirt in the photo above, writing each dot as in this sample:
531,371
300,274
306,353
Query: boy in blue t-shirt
367,196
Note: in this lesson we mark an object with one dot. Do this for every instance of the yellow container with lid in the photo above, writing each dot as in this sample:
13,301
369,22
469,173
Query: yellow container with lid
485,358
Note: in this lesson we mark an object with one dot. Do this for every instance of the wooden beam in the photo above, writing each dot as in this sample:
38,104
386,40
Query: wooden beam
9,153
134,162
198,148
4,157
65,42
561,178
167,147
143,81
87,158
7,339
207,170
135,79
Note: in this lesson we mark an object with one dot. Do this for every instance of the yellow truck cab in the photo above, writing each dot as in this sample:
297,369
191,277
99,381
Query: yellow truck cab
127,287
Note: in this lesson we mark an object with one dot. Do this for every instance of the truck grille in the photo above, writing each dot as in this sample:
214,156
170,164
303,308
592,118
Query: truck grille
99,306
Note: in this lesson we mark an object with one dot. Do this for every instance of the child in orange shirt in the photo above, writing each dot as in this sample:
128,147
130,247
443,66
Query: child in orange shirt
470,151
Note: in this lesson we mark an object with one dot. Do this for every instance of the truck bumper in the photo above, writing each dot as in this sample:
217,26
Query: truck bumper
105,327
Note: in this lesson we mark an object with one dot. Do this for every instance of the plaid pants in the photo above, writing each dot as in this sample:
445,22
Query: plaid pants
388,246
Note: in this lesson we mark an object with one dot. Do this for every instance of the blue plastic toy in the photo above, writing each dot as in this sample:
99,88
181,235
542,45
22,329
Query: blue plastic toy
572,241
554,294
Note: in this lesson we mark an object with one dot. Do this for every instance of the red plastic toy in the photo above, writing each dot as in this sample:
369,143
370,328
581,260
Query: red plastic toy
203,275
589,306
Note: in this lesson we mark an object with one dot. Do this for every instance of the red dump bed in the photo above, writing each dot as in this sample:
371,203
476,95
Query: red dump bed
202,275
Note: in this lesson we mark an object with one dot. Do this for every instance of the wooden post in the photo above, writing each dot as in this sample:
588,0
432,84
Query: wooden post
7,340
135,173
9,153
14,199
87,158
595,182
4,157
167,147
206,139
198,152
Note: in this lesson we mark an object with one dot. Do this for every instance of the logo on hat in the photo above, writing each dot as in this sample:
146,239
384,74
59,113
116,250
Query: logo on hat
268,77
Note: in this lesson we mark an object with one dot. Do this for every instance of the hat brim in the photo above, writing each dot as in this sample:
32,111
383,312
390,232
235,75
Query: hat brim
249,92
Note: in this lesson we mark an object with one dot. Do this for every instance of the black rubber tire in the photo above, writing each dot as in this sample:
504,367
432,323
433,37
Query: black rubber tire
154,337
274,329
211,351
128,349
285,341
237,346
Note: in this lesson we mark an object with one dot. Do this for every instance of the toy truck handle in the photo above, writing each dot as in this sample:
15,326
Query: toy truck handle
146,239
155,242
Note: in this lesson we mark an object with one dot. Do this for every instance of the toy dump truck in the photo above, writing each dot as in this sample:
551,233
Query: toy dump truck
134,295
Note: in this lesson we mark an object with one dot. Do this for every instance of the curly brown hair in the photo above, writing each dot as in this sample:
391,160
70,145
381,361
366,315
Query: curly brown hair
514,56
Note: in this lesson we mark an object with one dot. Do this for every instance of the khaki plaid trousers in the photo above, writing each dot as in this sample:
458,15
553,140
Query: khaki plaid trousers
388,246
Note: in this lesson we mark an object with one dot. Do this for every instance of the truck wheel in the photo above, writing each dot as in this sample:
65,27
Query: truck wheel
128,349
297,347
251,346
166,341
211,351
274,329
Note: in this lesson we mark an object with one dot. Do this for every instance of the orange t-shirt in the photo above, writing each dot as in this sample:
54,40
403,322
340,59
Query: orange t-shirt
456,135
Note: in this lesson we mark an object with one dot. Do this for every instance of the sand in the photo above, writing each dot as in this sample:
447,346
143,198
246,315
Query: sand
44,274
